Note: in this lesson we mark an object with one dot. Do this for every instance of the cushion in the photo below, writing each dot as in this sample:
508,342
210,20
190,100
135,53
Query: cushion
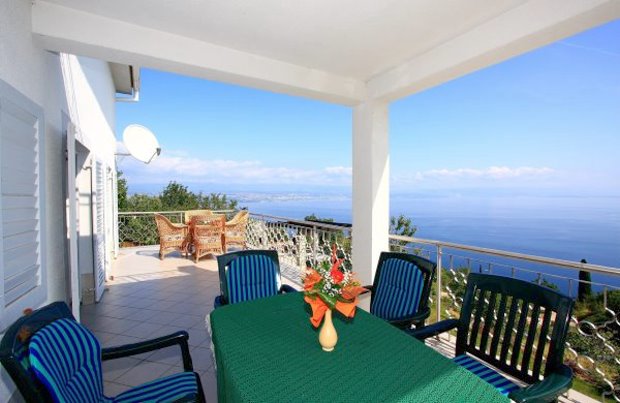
183,385
66,358
398,291
250,277
503,385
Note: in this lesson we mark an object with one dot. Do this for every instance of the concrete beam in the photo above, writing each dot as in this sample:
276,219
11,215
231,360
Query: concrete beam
532,25
64,29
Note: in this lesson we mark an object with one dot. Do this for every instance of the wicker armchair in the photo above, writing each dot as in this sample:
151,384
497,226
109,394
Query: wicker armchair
207,234
192,213
171,236
235,230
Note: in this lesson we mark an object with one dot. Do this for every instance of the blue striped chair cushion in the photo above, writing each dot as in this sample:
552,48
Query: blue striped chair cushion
398,290
171,388
250,277
503,385
66,358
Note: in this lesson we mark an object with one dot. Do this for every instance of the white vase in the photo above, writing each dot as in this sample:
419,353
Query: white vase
328,336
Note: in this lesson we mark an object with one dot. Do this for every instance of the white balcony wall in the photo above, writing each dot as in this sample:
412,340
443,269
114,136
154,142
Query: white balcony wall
38,75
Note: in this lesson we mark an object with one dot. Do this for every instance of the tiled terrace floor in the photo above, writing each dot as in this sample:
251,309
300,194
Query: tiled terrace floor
150,298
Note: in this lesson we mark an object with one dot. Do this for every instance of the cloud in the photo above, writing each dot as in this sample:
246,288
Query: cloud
473,176
178,166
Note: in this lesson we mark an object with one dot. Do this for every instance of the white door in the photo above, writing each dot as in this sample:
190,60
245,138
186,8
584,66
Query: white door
99,247
72,214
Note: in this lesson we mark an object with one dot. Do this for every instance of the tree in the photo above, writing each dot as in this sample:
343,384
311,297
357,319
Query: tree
177,197
314,217
216,201
401,225
121,186
142,202
584,290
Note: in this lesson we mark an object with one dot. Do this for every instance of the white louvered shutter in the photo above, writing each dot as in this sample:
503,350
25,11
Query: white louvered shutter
20,229
99,229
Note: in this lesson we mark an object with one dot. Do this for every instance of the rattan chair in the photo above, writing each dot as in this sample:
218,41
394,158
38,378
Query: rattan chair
207,234
235,230
192,213
171,236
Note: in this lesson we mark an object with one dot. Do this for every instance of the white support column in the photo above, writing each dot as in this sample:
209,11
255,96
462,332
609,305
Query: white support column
371,175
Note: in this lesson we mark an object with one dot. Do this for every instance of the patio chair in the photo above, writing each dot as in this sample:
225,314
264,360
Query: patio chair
191,213
207,235
171,236
247,275
52,358
236,230
401,289
516,327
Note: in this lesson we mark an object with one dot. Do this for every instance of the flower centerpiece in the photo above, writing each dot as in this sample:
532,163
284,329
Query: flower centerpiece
330,287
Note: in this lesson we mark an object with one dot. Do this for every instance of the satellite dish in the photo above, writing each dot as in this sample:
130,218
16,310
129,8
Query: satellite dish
141,143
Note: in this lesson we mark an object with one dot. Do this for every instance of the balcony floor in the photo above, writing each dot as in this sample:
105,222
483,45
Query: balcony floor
150,298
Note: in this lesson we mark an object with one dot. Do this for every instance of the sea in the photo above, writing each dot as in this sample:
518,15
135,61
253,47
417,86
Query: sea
562,227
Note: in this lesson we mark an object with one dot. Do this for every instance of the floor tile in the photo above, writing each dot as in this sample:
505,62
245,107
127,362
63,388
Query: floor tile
113,389
143,372
113,369
144,330
202,358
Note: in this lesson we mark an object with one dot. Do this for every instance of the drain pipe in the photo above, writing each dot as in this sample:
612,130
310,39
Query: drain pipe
135,85
135,96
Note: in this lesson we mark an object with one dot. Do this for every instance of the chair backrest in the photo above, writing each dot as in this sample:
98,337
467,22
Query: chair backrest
514,325
15,354
191,213
248,274
240,218
207,225
163,223
401,286
66,358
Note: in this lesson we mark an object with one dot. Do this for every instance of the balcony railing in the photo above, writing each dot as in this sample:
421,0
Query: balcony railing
593,346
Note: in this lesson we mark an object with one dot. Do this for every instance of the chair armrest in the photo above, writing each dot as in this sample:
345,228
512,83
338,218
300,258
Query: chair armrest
285,288
219,301
413,319
434,329
181,337
548,389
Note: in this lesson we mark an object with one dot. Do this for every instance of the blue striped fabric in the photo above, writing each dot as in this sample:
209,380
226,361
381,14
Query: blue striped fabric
66,358
503,385
250,277
398,290
168,389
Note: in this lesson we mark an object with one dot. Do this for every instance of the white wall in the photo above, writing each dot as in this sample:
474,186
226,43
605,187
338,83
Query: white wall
38,75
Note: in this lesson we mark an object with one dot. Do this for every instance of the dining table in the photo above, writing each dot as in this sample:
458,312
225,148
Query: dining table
266,350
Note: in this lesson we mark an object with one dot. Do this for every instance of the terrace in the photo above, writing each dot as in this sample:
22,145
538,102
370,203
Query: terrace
149,297
361,54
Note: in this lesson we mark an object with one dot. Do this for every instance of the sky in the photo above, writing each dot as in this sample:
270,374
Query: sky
547,121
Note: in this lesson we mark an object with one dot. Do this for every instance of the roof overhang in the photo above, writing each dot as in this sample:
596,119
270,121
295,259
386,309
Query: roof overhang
344,52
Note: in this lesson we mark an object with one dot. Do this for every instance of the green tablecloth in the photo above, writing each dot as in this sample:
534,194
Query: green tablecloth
267,351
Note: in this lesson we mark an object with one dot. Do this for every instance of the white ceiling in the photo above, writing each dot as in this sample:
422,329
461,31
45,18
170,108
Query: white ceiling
343,51
352,38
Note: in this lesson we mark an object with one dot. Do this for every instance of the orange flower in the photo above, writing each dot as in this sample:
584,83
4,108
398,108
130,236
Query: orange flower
336,274
311,279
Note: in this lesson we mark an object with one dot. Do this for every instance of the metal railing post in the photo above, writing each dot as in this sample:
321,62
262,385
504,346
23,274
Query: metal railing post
439,271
